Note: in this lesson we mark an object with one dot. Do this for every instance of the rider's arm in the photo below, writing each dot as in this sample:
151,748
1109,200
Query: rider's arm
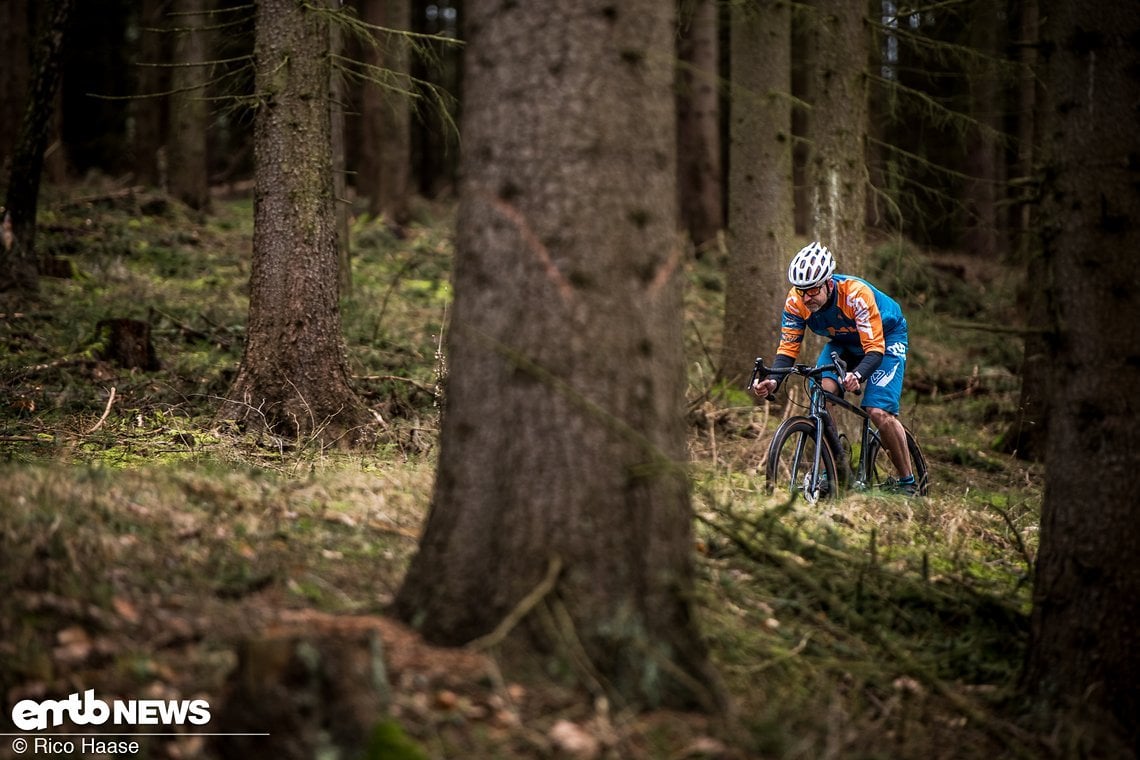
870,362
792,324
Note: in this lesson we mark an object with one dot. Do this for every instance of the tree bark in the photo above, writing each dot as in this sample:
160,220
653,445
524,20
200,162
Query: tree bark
435,140
561,487
337,96
1086,604
698,124
760,223
837,128
15,62
293,377
983,162
1029,430
1027,95
148,110
18,265
189,177
385,170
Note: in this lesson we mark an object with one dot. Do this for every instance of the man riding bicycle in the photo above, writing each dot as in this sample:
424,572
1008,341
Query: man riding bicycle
867,328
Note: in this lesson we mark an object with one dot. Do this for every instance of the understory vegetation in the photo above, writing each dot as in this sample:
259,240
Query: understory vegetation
139,542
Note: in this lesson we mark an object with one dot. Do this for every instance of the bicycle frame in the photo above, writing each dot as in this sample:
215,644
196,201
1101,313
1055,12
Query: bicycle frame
819,415
812,429
817,410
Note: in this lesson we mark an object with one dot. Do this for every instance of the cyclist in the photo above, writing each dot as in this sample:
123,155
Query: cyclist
867,329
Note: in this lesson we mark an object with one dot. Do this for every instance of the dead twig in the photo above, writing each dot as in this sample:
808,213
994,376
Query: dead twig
106,411
536,595
426,389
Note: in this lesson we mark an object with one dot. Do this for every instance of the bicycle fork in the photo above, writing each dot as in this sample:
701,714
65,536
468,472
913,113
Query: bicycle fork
826,434
814,477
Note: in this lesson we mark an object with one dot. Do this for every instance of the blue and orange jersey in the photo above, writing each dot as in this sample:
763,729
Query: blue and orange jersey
857,315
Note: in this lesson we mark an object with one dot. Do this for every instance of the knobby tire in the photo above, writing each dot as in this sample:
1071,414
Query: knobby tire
784,470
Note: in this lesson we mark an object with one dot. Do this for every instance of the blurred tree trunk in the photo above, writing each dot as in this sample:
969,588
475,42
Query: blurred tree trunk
698,122
148,110
435,142
16,63
293,377
188,164
1086,604
760,208
880,107
837,128
231,129
803,64
1027,89
983,161
385,162
19,270
1029,430
562,461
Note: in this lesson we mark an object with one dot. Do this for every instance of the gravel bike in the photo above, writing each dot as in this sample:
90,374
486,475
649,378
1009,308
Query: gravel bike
806,450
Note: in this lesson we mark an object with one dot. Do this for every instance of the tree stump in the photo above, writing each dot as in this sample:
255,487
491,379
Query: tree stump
126,342
318,688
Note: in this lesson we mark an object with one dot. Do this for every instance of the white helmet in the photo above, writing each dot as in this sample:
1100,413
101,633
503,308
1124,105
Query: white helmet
811,266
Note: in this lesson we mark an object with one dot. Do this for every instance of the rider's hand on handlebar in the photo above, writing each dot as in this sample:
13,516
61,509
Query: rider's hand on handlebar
764,388
851,381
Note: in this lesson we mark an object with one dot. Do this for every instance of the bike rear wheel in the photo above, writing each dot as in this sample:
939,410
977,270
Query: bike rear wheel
790,457
880,467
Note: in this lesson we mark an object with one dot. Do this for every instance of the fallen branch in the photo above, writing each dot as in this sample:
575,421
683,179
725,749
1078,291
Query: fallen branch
106,411
408,380
537,594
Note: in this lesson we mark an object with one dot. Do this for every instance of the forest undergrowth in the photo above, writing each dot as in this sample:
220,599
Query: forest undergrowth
139,543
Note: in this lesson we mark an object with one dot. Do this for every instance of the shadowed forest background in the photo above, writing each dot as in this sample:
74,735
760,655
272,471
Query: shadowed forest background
375,373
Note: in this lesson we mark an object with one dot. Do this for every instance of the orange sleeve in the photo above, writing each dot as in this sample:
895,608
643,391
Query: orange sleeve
792,325
857,301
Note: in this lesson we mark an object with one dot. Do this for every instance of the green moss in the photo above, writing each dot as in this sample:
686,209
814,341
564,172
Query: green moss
389,742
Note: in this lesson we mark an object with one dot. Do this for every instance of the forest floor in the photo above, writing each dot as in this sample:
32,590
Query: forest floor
140,547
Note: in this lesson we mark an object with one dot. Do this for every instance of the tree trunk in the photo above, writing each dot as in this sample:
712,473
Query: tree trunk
148,110
385,168
337,96
837,128
1087,595
16,64
189,179
127,343
1029,430
435,141
293,377
1027,88
561,486
698,124
18,267
983,175
760,183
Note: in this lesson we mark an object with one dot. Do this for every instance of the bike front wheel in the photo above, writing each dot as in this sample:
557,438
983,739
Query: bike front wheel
791,456
880,467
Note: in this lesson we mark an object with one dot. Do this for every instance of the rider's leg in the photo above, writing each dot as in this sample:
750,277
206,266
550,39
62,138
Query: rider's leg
893,436
881,400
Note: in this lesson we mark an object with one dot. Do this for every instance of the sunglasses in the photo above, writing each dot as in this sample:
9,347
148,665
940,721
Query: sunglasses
810,291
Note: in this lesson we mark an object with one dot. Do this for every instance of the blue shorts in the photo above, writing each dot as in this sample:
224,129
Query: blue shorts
884,387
